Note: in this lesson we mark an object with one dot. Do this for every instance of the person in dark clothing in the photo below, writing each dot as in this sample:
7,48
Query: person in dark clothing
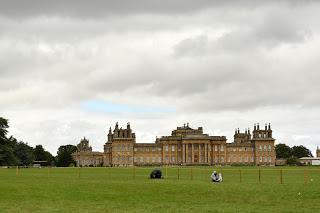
156,174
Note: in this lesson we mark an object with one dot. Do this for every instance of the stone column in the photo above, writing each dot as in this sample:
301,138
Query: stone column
169,154
205,153
192,153
219,151
212,151
183,153
187,152
199,153
176,153
163,155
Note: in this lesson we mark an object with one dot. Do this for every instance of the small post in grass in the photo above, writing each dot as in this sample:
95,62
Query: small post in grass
305,176
166,171
259,175
240,175
280,176
222,173
134,172
178,173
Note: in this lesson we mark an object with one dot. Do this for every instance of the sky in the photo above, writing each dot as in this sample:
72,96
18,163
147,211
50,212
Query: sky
70,69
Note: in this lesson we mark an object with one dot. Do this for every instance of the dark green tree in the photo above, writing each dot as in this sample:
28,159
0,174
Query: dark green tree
293,161
7,157
3,130
40,154
300,151
64,157
283,151
24,153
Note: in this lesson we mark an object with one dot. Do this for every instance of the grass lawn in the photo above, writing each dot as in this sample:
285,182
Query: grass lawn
185,190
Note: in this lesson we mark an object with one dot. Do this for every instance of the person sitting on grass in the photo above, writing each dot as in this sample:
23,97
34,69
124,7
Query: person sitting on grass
156,174
219,177
216,177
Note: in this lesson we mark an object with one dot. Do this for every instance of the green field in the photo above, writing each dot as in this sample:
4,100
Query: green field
185,189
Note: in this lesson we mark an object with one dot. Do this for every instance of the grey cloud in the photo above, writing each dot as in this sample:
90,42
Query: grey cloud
100,8
221,63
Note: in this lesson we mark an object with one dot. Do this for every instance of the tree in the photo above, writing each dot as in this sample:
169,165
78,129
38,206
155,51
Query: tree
293,161
42,155
3,129
39,153
64,155
24,154
301,151
283,151
7,157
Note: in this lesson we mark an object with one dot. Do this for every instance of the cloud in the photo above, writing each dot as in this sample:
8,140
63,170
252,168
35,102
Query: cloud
215,64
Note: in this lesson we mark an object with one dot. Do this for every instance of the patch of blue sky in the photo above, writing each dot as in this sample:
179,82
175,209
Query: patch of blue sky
108,107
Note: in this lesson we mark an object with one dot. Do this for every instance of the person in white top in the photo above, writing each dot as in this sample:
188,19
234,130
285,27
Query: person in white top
216,177
219,177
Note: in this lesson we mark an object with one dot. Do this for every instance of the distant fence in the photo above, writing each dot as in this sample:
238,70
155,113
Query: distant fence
261,175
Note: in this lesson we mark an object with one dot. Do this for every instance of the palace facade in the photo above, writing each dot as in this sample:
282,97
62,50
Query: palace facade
185,146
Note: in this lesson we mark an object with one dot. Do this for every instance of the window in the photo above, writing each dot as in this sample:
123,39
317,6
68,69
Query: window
240,158
147,159
229,159
209,147
260,148
265,158
234,149
215,148
251,158
269,159
172,148
167,148
260,159
159,159
246,159
167,159
159,149
265,148
222,148
153,149
172,159
269,147
240,149
222,159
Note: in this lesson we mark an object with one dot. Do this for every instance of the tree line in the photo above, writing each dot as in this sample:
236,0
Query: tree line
292,154
19,153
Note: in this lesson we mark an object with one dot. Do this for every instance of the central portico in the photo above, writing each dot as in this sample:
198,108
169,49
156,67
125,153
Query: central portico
192,146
